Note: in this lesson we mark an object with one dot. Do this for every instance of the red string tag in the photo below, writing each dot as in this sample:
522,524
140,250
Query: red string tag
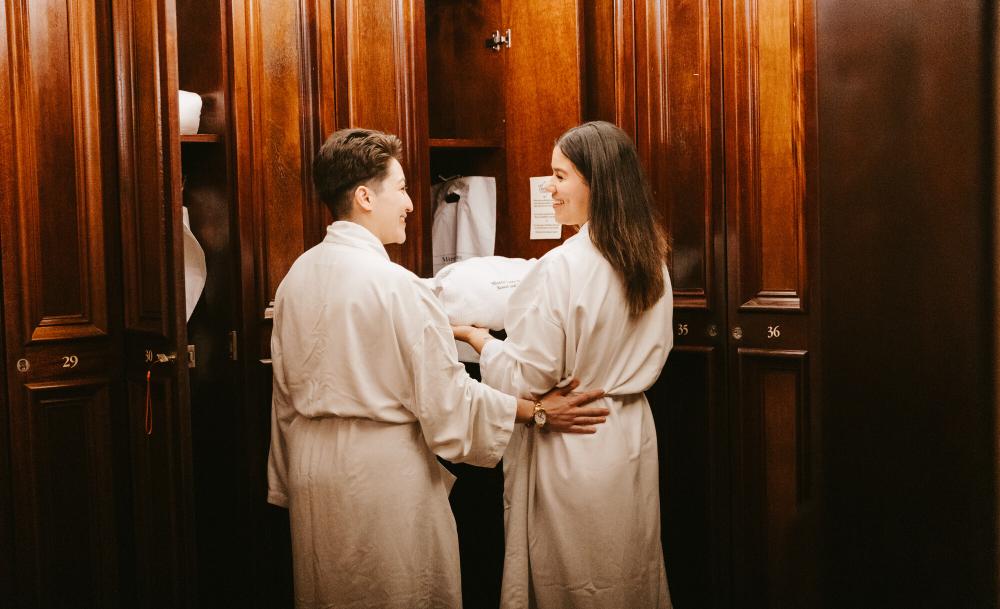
149,406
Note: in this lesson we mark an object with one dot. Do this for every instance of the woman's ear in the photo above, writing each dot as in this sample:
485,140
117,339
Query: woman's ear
363,198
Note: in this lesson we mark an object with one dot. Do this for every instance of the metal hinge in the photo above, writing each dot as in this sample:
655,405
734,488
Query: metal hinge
234,353
191,354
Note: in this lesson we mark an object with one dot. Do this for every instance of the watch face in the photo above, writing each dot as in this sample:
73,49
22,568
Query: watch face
540,417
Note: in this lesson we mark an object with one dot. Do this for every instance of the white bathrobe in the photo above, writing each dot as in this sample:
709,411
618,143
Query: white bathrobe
582,513
367,389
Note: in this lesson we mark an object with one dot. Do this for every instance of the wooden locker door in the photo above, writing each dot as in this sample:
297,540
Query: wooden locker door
155,355
60,343
679,136
543,98
770,144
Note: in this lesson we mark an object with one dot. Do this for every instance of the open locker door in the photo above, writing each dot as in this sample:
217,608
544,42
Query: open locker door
155,354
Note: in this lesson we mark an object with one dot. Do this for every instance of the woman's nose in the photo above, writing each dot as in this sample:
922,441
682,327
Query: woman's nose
550,185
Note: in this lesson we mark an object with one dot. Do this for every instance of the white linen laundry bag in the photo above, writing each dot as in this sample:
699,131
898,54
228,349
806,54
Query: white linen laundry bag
465,219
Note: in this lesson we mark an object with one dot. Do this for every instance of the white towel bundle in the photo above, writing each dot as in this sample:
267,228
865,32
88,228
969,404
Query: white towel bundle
475,291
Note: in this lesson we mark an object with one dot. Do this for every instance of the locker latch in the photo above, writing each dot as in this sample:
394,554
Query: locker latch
496,41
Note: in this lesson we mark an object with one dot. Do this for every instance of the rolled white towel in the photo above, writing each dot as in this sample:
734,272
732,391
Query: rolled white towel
189,111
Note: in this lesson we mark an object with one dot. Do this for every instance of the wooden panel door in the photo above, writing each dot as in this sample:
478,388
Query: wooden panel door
726,126
56,136
155,355
679,136
770,143
543,98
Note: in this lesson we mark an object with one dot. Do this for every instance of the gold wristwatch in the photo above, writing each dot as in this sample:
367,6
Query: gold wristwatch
538,417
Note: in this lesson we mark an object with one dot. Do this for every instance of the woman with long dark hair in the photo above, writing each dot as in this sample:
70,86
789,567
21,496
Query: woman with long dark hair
597,309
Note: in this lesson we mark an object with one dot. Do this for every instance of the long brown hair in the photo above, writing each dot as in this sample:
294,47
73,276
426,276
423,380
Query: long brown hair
623,223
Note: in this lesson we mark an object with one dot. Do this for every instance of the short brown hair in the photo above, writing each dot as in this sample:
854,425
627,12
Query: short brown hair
350,158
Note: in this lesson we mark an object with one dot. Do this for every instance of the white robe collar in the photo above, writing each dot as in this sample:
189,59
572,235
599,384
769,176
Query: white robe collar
351,234
583,233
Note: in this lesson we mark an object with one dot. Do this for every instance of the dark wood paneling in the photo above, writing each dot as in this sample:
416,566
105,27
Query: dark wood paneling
650,83
678,67
202,55
286,94
690,173
165,556
465,85
6,479
774,541
67,529
8,192
382,84
277,169
689,407
56,431
768,104
143,176
543,99
909,302
608,63
55,97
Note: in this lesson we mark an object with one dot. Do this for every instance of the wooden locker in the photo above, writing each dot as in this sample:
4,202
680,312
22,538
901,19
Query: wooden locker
497,111
680,139
249,190
772,221
154,357
61,334
727,128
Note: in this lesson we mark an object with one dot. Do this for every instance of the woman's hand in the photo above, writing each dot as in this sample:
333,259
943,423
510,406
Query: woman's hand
476,337
567,412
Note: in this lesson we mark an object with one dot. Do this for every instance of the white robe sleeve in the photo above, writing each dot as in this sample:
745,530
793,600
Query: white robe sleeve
282,414
277,463
461,420
532,358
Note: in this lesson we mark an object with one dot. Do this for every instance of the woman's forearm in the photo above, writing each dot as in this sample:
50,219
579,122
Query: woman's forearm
478,339
525,410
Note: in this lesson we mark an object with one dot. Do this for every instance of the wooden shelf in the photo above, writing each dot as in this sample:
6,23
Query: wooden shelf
204,138
466,143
